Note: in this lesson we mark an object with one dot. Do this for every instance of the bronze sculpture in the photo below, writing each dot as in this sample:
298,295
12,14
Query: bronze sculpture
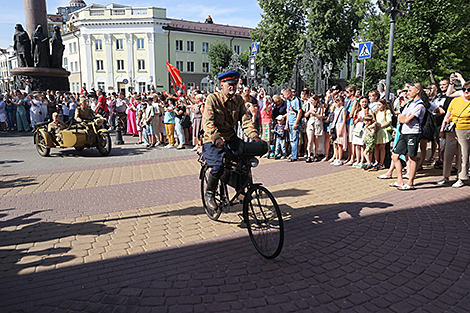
22,46
40,48
57,48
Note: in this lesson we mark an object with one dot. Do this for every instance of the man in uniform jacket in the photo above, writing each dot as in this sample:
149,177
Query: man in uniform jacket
223,111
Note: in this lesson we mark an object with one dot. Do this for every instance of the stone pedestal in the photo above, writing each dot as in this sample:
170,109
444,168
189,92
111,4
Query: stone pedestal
43,78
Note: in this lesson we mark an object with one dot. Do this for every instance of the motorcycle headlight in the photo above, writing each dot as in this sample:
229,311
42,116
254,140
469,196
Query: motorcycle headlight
254,162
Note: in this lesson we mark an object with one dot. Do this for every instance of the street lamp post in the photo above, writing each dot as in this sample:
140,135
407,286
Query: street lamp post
394,8
327,68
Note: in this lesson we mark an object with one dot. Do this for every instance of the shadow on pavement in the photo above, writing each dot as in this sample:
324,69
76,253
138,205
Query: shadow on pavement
7,181
398,259
21,247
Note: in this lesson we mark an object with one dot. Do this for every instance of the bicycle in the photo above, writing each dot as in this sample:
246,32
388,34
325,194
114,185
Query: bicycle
261,213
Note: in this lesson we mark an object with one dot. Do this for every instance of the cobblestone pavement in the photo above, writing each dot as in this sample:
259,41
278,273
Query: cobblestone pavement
127,233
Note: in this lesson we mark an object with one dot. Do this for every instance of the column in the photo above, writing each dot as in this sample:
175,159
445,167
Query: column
130,59
88,64
109,60
151,45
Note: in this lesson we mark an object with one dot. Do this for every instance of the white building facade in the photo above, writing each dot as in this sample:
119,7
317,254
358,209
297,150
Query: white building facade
119,48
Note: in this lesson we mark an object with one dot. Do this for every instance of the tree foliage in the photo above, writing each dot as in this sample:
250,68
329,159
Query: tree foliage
281,34
433,40
219,55
332,27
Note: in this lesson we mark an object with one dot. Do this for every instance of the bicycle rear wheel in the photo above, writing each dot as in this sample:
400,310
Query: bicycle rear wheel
219,194
264,221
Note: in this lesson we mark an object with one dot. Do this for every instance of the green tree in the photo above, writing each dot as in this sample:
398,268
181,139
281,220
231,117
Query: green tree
281,35
219,56
332,27
374,27
433,40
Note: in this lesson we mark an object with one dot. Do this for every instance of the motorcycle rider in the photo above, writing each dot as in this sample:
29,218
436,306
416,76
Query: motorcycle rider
55,127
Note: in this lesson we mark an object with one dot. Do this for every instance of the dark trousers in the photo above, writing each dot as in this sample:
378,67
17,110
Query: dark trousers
122,120
215,156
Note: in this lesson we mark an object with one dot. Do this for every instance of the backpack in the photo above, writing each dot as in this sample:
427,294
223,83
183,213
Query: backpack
428,126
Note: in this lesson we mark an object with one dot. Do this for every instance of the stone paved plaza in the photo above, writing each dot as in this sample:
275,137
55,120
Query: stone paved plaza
127,233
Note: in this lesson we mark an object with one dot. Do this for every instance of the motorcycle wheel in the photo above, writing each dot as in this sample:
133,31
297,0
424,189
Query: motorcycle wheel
104,144
41,145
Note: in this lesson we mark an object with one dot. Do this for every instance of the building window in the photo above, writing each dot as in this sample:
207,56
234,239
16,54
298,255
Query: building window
74,47
179,65
191,85
120,65
71,67
101,85
141,86
119,44
70,48
190,66
190,46
66,65
205,67
236,49
205,47
179,45
99,65
98,44
141,65
140,43
76,67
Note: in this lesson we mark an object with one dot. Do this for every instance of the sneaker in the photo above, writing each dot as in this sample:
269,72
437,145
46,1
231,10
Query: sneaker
180,147
338,163
368,167
443,181
334,162
195,148
283,157
359,165
354,165
458,184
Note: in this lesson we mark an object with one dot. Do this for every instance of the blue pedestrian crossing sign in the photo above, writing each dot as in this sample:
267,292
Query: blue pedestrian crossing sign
254,47
365,50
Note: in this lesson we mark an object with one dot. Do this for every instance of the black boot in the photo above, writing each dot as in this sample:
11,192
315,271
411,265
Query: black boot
212,184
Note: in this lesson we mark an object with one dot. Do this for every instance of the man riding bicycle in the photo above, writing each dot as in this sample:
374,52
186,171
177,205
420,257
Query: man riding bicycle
222,112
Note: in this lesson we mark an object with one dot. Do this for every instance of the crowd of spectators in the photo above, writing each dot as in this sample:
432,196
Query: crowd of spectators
342,127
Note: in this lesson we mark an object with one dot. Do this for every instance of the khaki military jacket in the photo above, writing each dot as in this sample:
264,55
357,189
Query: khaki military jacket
55,128
86,113
222,114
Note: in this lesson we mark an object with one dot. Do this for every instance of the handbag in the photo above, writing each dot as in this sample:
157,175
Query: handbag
450,127
358,129
333,134
185,122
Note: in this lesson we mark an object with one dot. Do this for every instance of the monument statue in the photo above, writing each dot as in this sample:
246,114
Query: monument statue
57,48
40,48
22,46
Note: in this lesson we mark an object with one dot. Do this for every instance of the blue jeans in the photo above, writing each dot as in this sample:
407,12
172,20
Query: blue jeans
294,141
280,144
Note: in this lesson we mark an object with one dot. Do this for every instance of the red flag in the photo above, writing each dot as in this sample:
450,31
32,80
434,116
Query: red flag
175,75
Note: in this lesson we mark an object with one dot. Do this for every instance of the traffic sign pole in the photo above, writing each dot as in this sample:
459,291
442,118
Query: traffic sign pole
363,76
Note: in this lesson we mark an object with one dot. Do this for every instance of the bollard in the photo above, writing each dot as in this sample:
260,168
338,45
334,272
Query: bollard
119,140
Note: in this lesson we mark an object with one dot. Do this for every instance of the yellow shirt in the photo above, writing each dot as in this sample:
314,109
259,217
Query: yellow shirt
457,106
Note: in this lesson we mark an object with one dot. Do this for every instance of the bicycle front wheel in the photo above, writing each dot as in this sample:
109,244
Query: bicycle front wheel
264,221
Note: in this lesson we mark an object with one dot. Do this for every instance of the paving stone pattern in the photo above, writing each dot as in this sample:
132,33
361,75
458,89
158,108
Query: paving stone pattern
131,236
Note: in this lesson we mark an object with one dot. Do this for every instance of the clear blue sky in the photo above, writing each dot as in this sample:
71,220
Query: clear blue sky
239,13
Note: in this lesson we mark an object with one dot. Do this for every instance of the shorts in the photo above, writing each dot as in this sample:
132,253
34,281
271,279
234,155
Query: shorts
150,130
407,144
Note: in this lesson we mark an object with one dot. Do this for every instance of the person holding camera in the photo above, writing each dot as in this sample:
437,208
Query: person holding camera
456,130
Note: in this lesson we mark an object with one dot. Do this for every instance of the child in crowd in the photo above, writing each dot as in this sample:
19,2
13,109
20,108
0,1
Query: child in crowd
169,121
384,119
280,136
369,140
